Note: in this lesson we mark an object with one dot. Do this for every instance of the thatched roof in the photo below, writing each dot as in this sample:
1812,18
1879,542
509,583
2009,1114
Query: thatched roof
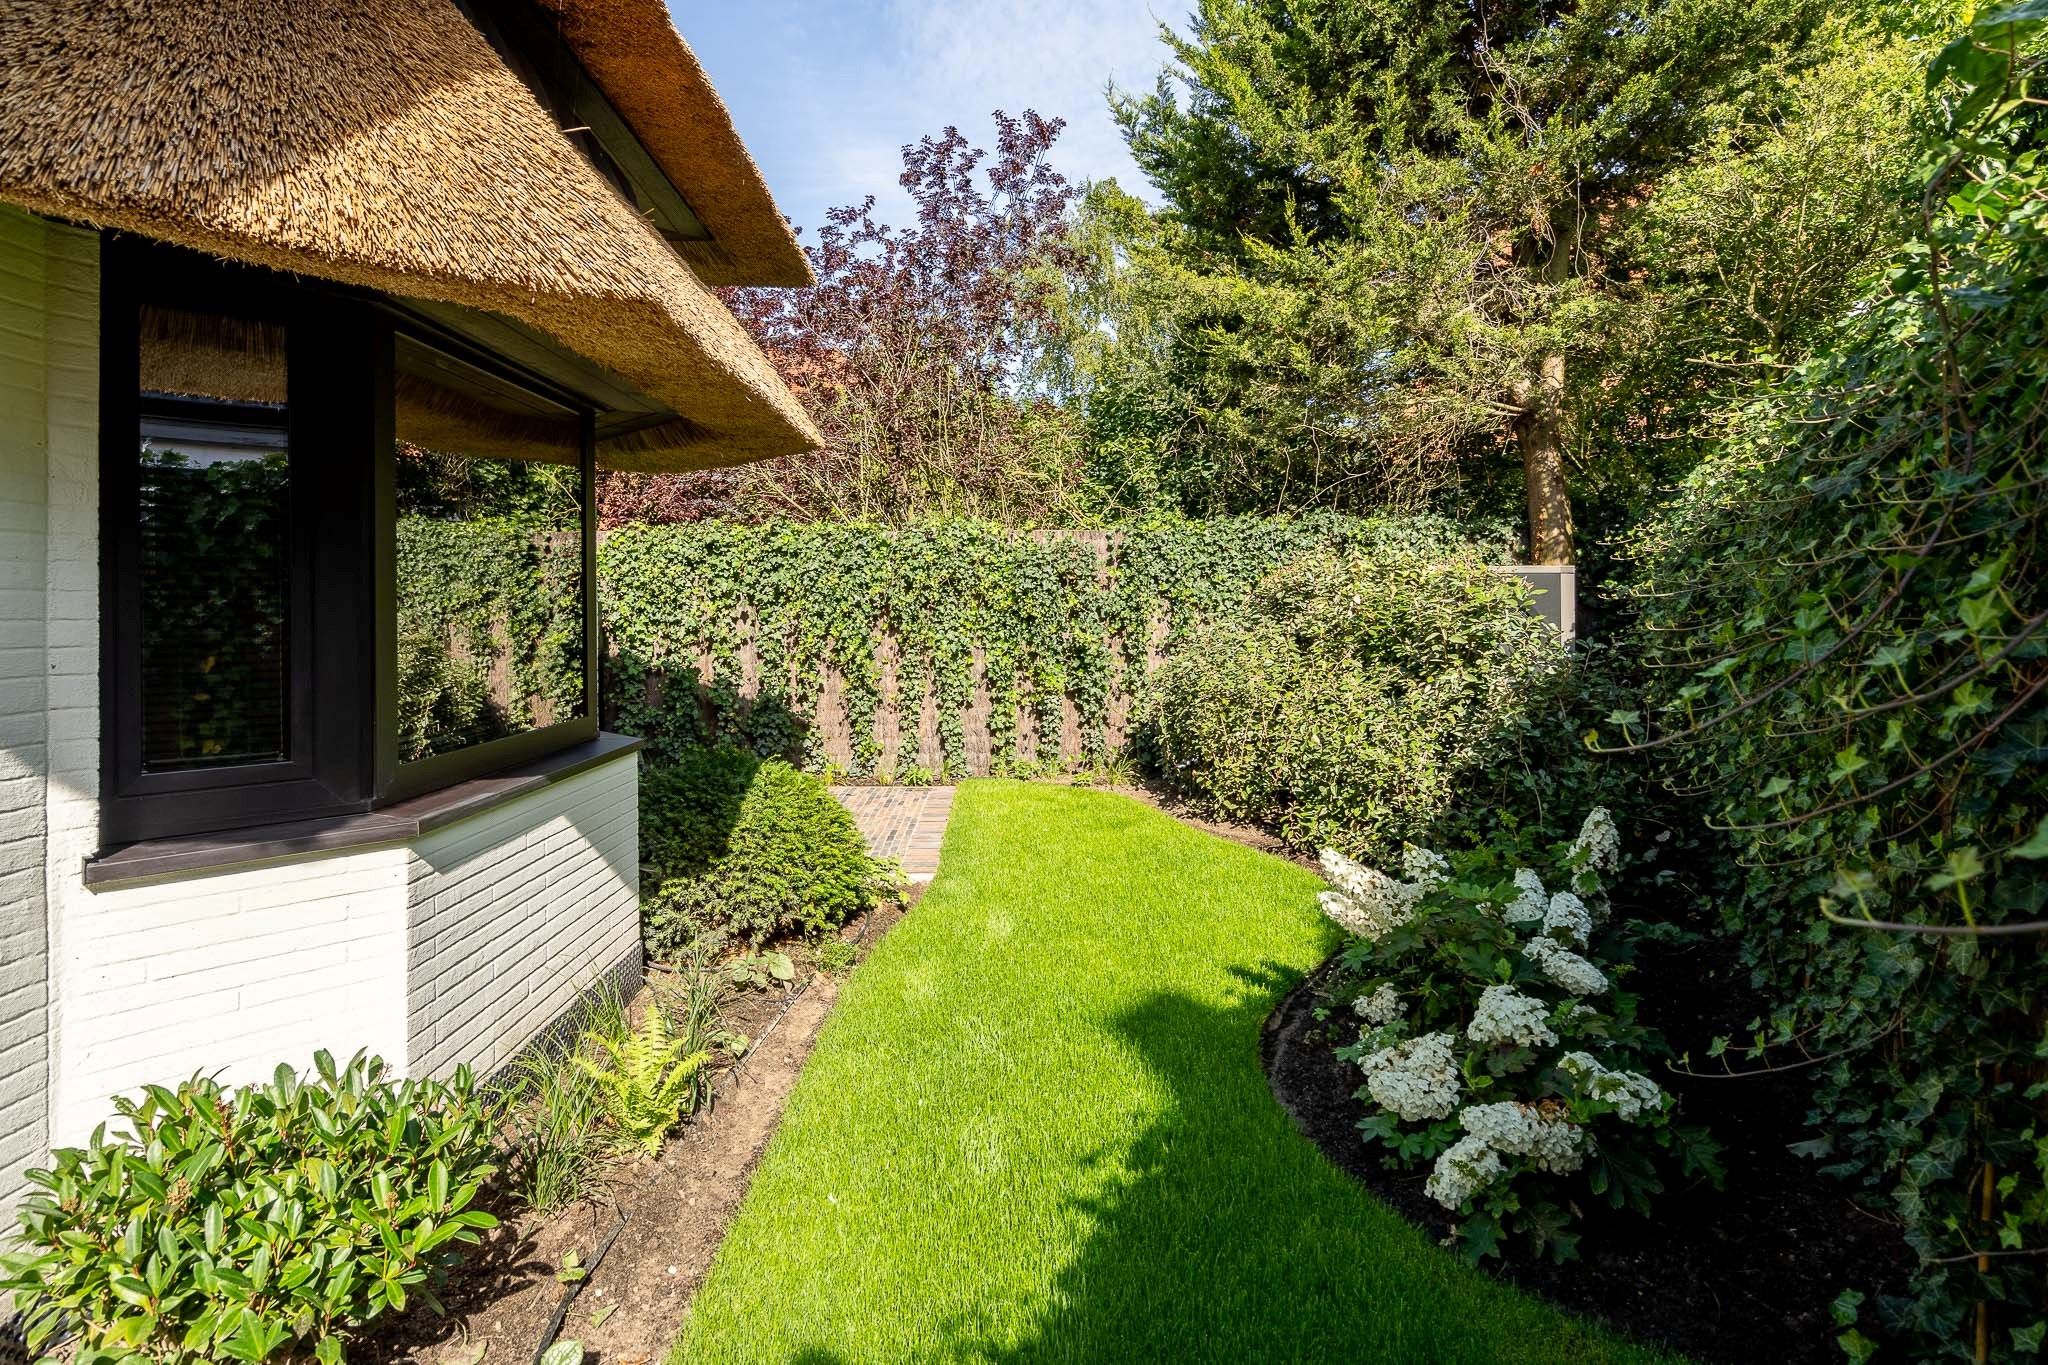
379,143
632,50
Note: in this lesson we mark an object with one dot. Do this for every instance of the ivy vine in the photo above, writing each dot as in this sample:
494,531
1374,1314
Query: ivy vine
1053,618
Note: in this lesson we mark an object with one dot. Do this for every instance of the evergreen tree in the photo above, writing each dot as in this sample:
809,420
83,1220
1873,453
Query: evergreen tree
1403,233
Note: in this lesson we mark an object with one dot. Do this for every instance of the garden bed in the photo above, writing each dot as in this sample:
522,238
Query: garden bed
502,1299
1742,1273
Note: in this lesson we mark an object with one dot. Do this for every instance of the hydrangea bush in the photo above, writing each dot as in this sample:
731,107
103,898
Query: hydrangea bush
1498,1049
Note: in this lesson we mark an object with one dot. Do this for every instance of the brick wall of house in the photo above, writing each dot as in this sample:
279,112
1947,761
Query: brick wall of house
459,947
24,736
519,911
49,655
229,974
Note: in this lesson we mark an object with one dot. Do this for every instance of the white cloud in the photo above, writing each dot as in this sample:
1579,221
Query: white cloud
957,61
1055,56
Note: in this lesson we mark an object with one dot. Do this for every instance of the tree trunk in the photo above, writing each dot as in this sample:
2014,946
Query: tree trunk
1536,432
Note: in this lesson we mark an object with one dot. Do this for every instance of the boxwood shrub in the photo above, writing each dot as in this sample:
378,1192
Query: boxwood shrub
747,847
268,1223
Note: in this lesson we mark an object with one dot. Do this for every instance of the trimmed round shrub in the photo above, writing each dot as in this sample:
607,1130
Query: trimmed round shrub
751,848
1346,704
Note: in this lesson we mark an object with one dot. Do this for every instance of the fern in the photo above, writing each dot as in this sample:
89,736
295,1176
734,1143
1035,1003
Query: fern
647,1081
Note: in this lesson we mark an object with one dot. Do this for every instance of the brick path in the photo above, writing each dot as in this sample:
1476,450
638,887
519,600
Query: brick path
904,823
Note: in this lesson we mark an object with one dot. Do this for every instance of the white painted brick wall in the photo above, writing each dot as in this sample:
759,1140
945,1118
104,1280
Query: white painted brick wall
24,730
229,974
518,912
460,947
49,636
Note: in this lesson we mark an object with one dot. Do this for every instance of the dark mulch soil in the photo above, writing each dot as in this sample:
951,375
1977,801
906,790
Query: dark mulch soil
1744,1273
629,1308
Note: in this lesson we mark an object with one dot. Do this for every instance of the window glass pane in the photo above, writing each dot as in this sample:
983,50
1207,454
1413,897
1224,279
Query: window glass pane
490,557
214,540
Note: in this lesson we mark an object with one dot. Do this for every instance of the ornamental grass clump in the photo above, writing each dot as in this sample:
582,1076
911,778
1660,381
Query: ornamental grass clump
1498,1051
272,1222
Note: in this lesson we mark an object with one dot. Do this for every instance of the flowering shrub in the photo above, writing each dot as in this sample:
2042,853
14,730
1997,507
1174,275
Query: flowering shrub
1497,1049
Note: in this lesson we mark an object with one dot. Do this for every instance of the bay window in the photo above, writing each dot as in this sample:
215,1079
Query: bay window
347,553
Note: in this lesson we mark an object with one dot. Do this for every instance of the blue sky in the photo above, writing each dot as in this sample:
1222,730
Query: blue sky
826,93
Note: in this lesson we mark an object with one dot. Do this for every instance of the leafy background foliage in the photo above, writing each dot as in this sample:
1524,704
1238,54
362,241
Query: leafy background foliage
1051,617
1841,622
1349,702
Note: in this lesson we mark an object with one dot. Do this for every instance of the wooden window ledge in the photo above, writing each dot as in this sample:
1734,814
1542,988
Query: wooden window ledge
198,854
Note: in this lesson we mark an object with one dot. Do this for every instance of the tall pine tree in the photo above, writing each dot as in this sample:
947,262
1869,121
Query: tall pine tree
1411,226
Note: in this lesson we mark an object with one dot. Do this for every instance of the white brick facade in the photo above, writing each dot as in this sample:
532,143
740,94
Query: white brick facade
458,947
49,634
515,913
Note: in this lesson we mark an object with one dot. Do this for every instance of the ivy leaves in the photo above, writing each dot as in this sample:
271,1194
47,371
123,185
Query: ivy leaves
721,630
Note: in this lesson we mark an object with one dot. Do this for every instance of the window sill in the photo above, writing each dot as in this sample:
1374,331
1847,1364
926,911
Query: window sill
198,854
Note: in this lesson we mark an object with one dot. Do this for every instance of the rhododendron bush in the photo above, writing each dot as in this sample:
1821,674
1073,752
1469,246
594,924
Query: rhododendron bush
1499,1051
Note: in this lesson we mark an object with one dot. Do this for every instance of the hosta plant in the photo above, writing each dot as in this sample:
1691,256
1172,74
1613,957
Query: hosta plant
1498,1049
264,1223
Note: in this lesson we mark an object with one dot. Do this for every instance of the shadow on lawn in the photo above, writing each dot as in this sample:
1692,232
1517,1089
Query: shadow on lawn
1202,1248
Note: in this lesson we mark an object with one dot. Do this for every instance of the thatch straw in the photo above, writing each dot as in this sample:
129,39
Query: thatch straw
632,50
379,143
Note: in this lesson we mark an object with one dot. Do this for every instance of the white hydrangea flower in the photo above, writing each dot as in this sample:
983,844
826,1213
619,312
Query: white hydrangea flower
1424,867
1565,967
1365,901
1465,1168
1599,843
1381,1007
1507,1017
1415,1080
1549,1142
1530,903
1568,915
1630,1092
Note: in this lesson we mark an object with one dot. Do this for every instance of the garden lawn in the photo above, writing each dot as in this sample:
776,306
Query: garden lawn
1036,1128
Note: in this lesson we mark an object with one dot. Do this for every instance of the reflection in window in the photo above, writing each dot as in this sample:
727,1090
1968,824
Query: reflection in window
214,503
490,557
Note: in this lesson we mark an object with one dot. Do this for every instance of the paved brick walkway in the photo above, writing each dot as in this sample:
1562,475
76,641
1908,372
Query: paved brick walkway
904,823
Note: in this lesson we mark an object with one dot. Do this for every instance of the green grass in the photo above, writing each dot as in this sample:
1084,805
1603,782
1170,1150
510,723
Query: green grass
1036,1129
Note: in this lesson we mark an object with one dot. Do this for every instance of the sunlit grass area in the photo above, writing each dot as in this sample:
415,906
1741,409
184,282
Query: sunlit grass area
1037,1129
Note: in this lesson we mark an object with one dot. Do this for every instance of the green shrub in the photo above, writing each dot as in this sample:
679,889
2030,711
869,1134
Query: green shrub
1498,1047
689,805
773,855
1351,698
269,1222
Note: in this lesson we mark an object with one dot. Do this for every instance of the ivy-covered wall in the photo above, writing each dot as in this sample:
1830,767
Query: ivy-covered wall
945,648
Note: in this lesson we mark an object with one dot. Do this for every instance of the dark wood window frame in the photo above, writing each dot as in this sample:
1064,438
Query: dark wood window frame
397,780
342,698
